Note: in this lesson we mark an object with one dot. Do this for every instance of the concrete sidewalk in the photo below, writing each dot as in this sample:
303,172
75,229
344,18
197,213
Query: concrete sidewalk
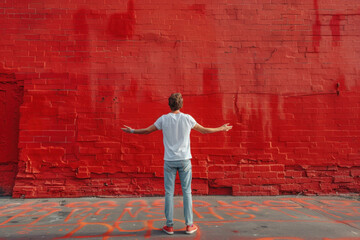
218,217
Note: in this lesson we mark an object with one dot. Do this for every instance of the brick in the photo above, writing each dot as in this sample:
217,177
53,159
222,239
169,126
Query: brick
355,172
259,168
216,175
343,179
246,168
277,168
291,188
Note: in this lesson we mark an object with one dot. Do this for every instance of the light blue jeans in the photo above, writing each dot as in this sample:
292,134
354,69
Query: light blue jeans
185,174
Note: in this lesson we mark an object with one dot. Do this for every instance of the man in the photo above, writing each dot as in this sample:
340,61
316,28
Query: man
176,127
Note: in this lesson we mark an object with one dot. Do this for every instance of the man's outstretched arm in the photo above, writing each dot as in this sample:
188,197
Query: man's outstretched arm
147,130
204,130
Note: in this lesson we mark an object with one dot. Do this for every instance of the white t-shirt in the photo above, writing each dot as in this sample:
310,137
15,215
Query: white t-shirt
176,131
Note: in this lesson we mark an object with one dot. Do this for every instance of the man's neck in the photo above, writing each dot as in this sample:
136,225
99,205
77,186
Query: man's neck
176,112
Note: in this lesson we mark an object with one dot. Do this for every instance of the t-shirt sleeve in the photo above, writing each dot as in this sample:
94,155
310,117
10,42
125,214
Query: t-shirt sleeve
192,121
158,123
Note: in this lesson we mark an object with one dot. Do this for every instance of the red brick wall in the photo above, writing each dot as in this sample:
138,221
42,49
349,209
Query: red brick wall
284,73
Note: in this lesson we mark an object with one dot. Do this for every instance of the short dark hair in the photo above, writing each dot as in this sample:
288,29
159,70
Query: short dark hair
175,101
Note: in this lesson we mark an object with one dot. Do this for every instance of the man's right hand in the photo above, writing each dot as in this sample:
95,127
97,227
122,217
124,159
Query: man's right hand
226,127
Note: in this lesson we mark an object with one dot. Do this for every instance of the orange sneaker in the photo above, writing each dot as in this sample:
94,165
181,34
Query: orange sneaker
191,229
168,230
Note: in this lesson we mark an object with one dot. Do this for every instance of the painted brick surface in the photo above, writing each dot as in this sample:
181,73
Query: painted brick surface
285,74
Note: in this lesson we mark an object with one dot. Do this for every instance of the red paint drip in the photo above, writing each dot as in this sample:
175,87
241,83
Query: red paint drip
199,8
316,28
210,80
121,25
11,97
335,29
81,28
80,23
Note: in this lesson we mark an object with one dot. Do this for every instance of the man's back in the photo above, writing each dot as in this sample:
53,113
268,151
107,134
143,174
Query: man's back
176,129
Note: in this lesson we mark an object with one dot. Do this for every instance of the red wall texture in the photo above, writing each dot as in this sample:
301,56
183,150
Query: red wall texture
284,73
